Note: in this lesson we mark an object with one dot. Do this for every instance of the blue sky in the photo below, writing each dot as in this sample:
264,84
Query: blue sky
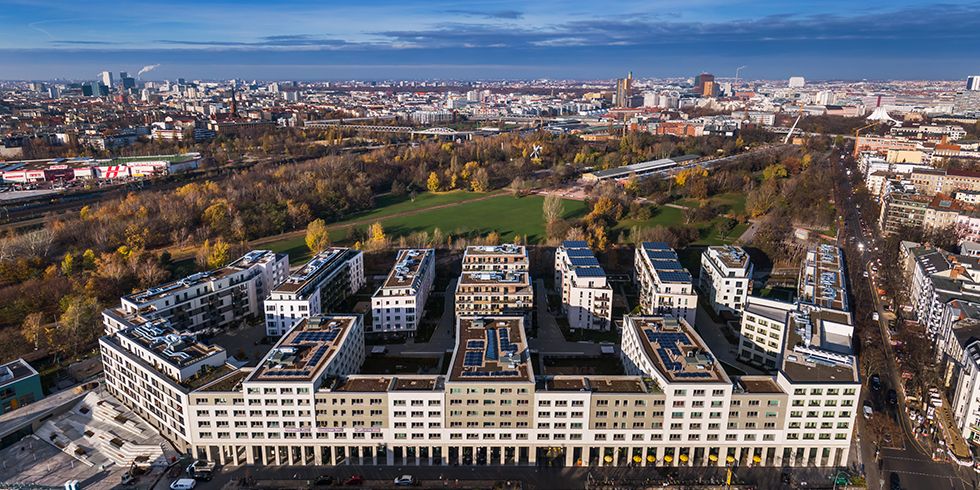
413,39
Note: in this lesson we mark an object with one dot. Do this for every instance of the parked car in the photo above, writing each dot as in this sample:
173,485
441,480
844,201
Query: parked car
323,481
868,411
895,481
893,398
875,382
354,480
405,481
183,484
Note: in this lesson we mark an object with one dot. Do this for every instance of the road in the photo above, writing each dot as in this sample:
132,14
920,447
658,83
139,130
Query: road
906,456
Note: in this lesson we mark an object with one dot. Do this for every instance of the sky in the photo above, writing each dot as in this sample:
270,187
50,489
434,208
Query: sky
497,39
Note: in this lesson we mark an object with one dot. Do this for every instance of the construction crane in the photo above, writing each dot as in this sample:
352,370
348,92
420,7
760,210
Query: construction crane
793,128
857,136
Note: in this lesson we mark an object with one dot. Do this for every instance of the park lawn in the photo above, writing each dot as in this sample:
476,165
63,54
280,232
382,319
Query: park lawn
388,205
663,216
504,214
730,202
710,237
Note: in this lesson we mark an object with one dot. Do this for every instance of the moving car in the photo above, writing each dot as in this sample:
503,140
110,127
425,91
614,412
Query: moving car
875,382
201,470
354,480
892,398
895,481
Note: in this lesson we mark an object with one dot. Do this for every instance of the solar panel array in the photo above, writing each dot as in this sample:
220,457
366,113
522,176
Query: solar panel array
284,372
668,342
490,374
473,358
578,252
328,336
320,351
474,344
492,344
505,344
575,244
590,261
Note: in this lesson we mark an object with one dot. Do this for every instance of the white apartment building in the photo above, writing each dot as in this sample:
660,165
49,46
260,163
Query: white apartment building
822,282
495,281
763,330
666,287
726,276
586,296
208,300
329,278
399,304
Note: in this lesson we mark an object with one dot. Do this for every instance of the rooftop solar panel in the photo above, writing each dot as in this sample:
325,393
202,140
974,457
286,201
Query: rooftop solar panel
583,261
575,244
671,276
579,252
590,272
667,264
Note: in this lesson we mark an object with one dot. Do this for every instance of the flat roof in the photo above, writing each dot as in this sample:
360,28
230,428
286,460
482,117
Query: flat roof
312,271
758,384
407,266
619,384
504,278
490,349
822,280
582,262
814,354
15,371
175,347
305,350
675,350
642,167
665,262
731,256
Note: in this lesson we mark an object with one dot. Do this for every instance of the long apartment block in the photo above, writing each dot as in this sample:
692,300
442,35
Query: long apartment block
666,287
320,285
495,280
399,304
822,282
206,300
304,404
586,296
726,277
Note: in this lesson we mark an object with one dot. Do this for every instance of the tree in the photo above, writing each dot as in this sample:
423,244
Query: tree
79,322
433,183
553,208
213,256
774,171
33,328
317,236
68,264
481,180
493,238
376,236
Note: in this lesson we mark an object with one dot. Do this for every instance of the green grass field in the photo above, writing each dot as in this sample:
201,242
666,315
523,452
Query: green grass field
730,202
504,214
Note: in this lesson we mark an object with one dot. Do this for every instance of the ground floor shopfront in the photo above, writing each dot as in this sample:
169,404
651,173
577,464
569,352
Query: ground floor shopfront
552,456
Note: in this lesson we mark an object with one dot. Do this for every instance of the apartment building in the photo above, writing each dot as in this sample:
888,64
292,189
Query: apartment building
323,283
20,385
206,300
586,296
822,282
304,404
726,276
666,287
763,329
398,305
495,281
900,210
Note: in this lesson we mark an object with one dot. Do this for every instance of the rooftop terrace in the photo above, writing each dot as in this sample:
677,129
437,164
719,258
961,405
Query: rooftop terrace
676,350
302,353
490,349
407,267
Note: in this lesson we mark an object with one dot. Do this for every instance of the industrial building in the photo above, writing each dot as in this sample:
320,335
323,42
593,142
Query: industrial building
61,170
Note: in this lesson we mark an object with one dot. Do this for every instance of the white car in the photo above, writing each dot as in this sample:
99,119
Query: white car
183,484
405,481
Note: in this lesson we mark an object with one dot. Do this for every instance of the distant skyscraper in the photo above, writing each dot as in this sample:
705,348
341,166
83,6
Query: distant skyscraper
107,78
623,88
796,82
700,81
973,82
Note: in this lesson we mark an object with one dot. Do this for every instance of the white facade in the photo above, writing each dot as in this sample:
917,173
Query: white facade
399,304
763,329
212,299
666,287
726,275
586,296
329,278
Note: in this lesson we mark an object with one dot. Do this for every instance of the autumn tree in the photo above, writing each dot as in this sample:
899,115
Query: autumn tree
33,328
213,255
480,181
376,236
78,324
317,236
433,183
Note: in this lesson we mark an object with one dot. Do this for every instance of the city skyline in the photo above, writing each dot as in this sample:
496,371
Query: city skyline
496,40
